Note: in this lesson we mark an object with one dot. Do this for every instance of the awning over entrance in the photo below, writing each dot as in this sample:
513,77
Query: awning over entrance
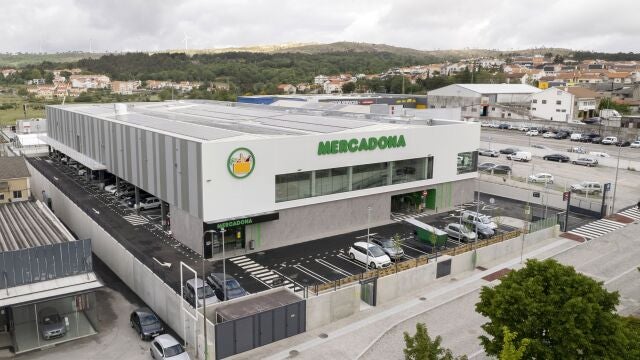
75,155
246,220
49,289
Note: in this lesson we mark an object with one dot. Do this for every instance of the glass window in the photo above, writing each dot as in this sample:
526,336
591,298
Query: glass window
558,102
293,186
331,181
370,176
535,101
430,167
467,162
544,101
17,194
408,170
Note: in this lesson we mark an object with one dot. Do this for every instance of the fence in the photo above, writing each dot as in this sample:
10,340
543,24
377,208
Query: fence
408,264
543,224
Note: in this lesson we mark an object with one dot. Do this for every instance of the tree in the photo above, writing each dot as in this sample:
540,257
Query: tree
348,87
558,59
421,347
509,350
607,103
565,315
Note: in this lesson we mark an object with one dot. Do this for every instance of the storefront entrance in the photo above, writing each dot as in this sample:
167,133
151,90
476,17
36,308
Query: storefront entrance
235,234
414,201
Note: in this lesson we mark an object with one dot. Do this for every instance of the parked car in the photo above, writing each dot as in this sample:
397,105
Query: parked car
523,156
599,154
82,172
501,169
51,324
623,143
146,323
588,137
556,157
487,152
167,347
544,178
486,166
389,247
234,289
585,161
509,151
549,134
609,140
538,146
131,202
503,126
127,189
575,137
635,144
484,232
204,291
587,187
561,135
477,218
111,189
532,133
459,232
148,203
376,256
596,140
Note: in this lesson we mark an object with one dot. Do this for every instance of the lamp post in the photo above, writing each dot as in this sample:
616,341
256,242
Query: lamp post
224,268
615,183
368,236
204,299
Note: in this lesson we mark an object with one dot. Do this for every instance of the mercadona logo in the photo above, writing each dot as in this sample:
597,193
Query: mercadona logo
241,163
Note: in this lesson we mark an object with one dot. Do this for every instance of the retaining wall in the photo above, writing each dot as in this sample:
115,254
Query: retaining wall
333,306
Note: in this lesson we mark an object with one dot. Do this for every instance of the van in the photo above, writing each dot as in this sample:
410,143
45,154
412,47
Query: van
523,156
609,140
576,137
587,187
478,219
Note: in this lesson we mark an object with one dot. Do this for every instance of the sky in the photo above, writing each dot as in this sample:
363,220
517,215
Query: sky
153,25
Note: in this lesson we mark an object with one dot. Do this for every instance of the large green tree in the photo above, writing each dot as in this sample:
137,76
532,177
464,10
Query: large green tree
565,315
421,347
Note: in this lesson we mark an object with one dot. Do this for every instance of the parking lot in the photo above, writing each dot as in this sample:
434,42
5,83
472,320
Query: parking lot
327,259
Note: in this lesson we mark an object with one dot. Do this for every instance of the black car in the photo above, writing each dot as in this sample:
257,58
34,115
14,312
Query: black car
486,166
596,140
588,137
146,323
503,126
556,157
561,135
623,143
509,151
501,169
234,290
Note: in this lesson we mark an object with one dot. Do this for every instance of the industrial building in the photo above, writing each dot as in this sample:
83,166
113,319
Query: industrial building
269,176
404,100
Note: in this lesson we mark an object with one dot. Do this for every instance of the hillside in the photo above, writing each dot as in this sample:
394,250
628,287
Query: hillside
23,59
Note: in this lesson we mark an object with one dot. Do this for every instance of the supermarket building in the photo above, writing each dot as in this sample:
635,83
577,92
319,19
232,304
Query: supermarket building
270,176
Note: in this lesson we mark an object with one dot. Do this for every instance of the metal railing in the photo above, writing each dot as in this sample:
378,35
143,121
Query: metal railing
543,224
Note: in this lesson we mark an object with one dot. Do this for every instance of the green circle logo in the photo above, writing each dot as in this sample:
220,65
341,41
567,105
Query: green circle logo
241,163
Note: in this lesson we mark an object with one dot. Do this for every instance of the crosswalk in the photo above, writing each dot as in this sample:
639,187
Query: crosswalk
262,274
597,228
136,220
632,213
399,217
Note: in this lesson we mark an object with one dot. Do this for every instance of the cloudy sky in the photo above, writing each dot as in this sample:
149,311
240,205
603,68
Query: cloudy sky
128,25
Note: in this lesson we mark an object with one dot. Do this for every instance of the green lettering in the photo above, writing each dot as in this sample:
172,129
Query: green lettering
363,145
382,142
324,148
334,146
392,141
353,145
401,142
373,143
343,146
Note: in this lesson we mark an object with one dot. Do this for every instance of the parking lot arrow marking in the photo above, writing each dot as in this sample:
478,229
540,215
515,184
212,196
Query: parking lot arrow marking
95,211
163,264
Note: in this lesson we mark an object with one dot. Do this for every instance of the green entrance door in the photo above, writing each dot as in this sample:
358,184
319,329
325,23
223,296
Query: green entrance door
430,199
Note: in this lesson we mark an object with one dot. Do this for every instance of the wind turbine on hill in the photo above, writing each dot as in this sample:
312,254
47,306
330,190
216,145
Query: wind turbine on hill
186,42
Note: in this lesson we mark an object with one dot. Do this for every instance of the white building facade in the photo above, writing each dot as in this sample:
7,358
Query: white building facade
553,104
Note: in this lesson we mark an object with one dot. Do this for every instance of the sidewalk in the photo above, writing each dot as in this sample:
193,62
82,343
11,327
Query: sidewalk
351,338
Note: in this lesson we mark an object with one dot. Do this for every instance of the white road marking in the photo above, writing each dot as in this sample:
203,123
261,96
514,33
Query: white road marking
311,273
333,267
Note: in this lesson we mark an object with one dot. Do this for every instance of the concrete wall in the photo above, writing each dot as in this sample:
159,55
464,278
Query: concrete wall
139,278
327,219
332,306
186,228
397,285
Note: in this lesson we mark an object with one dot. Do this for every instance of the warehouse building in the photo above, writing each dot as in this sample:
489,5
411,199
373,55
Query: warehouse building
268,176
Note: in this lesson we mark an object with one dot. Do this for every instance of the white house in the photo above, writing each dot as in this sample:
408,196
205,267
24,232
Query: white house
552,104
320,79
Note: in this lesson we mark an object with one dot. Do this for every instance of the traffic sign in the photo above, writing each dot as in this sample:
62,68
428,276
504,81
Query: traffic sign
536,194
607,187
566,195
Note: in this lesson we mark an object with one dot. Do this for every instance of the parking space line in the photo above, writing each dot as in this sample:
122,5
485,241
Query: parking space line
346,258
364,236
333,267
310,273
412,248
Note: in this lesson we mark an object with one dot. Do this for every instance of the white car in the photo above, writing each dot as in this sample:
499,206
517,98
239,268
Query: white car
111,189
532,133
148,203
82,172
460,232
599,154
609,140
377,257
523,156
549,134
587,187
541,178
635,144
167,347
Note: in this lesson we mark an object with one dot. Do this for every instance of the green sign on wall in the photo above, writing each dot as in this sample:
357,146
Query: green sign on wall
364,144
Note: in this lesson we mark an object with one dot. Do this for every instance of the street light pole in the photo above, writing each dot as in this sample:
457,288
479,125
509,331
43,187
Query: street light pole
224,268
204,299
368,236
615,183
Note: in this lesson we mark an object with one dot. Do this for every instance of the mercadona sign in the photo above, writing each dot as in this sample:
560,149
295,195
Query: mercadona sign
364,144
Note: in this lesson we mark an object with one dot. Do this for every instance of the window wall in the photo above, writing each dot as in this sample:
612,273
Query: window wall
467,162
307,184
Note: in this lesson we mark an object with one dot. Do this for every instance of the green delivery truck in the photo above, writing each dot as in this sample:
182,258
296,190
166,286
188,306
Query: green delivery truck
428,234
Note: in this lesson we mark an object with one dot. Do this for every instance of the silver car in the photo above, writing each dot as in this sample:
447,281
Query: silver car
389,247
487,152
51,324
585,161
459,232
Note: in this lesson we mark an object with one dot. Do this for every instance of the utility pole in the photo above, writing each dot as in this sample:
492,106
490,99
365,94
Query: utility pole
368,234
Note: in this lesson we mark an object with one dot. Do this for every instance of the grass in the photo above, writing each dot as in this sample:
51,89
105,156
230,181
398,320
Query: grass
9,116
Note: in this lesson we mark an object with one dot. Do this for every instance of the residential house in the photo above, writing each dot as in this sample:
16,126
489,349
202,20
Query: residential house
7,72
90,81
219,85
619,77
35,82
517,78
286,89
589,78
585,102
333,86
15,179
124,87
553,104
320,79
303,87
158,84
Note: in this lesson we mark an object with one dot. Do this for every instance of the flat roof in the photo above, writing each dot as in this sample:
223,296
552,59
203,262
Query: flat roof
256,303
500,88
27,224
203,120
